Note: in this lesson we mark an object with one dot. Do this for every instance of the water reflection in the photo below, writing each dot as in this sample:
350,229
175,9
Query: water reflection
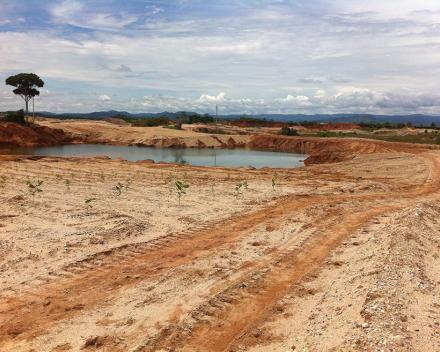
193,156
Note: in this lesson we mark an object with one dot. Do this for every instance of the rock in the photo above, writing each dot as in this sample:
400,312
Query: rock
365,325
398,339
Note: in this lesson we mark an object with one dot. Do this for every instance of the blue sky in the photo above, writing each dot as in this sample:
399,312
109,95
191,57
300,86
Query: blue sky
258,56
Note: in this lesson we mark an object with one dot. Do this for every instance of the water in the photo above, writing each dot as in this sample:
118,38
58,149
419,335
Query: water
198,157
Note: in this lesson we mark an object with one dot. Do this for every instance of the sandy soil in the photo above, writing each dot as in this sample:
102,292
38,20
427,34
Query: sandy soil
335,257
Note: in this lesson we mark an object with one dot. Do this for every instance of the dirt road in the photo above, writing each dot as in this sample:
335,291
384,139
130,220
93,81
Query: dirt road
338,257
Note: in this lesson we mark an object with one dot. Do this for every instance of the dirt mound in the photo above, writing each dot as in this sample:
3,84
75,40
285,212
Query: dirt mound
330,150
34,136
116,121
333,126
244,124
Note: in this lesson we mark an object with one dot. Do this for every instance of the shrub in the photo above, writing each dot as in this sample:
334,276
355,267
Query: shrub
16,117
286,131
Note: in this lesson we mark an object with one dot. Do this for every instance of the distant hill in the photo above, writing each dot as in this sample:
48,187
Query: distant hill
416,119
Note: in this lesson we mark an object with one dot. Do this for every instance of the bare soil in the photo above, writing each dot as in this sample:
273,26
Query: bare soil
334,257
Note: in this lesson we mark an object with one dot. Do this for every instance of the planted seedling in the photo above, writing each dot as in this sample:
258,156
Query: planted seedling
273,181
212,184
180,188
102,176
128,182
34,188
237,190
59,177
3,180
245,184
68,184
119,188
169,181
89,202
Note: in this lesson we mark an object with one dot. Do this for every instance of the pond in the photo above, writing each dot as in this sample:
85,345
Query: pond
197,157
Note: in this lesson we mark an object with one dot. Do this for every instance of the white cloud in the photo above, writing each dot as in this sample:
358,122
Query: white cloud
104,97
21,19
74,13
339,80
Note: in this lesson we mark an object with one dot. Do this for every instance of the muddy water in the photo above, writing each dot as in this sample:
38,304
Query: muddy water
198,157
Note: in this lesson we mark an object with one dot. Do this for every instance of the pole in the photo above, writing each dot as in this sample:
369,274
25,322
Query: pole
33,108
216,109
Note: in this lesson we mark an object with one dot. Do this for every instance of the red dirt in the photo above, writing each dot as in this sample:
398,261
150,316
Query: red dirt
333,126
34,136
139,273
245,124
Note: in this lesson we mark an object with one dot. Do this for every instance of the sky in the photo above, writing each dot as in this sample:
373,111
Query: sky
247,57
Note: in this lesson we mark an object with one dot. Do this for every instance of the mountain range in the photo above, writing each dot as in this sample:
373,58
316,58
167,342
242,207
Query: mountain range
416,119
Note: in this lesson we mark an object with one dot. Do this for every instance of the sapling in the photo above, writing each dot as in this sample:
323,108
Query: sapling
128,183
89,201
245,184
180,186
212,184
119,188
237,189
33,188
68,184
3,180
273,181
102,176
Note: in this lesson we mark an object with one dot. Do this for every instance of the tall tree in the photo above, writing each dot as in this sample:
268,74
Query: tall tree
25,86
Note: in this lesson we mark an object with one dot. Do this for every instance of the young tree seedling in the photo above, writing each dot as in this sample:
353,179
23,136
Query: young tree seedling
212,185
68,185
273,181
89,201
33,189
180,188
3,180
245,184
119,188
237,189
128,183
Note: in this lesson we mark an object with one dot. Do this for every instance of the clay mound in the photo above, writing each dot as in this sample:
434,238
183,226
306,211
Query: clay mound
244,124
116,121
15,135
333,126
331,150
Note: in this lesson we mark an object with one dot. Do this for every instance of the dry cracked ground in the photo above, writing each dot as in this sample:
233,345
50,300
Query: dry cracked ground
340,257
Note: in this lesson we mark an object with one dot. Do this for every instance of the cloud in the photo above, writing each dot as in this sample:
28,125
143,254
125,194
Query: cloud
208,98
121,68
154,10
339,79
75,14
104,97
309,80
21,19
66,11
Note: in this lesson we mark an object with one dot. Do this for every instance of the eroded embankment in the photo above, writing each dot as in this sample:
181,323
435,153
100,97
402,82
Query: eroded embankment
15,135
321,150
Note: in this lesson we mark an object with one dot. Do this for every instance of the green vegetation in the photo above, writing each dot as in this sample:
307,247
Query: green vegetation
180,188
89,201
237,190
34,188
119,187
286,131
25,86
16,117
275,178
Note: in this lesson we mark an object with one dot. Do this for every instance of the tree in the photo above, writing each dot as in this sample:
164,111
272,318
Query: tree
25,86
